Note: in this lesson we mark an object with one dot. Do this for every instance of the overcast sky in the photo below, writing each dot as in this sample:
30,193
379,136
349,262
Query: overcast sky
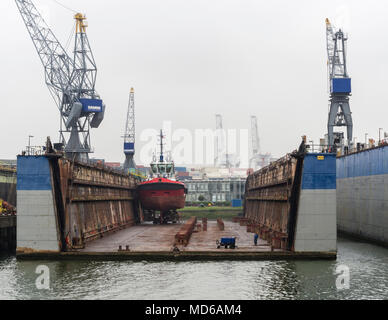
191,59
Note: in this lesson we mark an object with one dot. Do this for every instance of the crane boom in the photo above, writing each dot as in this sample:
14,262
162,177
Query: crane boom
330,45
58,65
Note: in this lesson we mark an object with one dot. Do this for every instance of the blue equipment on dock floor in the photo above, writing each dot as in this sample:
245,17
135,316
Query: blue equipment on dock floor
226,242
236,203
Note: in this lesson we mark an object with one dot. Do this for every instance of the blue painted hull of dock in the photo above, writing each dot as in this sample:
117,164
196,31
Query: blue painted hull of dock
362,194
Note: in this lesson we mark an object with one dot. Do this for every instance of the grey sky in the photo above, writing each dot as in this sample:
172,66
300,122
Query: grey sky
189,60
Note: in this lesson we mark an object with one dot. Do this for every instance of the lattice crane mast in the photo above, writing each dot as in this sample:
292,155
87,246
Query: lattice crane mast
220,156
255,143
129,136
71,80
340,86
255,136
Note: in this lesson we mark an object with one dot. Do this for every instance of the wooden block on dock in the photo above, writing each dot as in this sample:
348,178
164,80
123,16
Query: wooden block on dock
244,221
221,225
184,234
236,219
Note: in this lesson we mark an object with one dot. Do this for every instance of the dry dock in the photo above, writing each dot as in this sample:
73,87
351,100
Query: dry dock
74,210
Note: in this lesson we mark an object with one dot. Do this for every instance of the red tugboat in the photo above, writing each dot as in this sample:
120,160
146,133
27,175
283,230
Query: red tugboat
161,196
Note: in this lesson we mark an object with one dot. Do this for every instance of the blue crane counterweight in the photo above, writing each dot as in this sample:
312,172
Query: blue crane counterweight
129,136
71,80
340,86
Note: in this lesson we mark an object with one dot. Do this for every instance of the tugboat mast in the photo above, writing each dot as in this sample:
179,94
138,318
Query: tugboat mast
161,146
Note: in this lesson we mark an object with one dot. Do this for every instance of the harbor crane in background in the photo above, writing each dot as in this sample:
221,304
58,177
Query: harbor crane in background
255,136
257,159
220,156
70,79
255,142
129,136
340,87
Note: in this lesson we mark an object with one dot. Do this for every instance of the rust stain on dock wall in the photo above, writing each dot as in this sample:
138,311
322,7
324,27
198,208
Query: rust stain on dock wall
271,200
92,200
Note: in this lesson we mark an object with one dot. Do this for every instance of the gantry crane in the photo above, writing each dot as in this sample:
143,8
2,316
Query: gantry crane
340,86
71,80
129,136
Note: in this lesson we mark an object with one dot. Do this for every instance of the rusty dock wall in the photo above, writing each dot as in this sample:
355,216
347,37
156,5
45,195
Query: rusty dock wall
269,197
292,202
64,204
8,185
7,233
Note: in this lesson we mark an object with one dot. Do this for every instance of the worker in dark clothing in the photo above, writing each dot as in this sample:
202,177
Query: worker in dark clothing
256,237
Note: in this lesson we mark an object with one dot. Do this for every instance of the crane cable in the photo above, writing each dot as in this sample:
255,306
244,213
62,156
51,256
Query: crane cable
70,37
62,5
73,27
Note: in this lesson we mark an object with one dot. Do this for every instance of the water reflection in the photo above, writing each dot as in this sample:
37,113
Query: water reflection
202,280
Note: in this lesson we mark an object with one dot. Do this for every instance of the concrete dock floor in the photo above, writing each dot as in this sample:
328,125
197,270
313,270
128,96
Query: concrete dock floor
156,242
160,238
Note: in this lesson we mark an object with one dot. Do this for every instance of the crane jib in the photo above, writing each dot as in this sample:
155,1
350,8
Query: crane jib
91,105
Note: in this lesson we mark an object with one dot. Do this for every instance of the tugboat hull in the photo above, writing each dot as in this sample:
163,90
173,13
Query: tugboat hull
162,195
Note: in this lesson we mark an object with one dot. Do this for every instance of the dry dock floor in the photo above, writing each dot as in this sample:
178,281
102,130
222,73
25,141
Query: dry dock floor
156,242
160,238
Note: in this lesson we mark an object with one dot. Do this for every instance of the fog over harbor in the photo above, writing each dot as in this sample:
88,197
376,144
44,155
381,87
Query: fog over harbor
189,60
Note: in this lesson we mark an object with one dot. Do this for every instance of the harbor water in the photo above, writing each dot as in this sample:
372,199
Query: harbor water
367,265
